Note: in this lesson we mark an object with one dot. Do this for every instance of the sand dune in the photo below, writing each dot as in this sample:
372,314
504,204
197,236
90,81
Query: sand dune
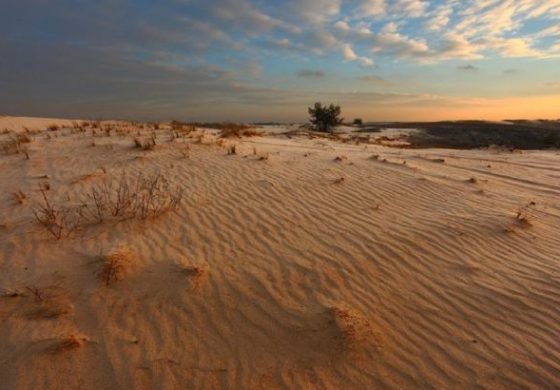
282,268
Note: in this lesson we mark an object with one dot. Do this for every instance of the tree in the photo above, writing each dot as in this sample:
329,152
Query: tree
324,118
358,122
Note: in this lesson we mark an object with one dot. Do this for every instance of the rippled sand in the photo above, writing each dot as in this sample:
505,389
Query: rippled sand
285,268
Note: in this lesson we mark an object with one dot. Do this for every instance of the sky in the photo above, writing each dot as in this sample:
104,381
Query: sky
268,60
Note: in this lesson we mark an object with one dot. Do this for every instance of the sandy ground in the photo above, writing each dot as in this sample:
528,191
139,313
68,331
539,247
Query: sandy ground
282,267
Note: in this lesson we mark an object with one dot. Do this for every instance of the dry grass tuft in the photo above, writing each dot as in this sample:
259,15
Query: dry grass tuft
145,145
232,149
48,303
522,218
20,197
66,344
116,264
234,130
15,144
53,127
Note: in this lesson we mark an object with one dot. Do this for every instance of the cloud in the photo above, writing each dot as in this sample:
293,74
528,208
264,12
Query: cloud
468,68
372,8
375,80
310,73
350,55
342,25
439,18
316,11
410,8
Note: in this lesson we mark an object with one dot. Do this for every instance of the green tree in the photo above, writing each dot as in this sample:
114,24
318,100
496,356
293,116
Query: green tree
324,118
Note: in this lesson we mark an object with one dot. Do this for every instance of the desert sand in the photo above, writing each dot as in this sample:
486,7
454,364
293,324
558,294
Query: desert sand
295,262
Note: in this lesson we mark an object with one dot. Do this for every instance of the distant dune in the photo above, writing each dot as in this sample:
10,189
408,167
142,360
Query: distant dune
137,256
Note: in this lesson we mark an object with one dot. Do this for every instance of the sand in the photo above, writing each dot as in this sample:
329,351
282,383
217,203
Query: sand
282,267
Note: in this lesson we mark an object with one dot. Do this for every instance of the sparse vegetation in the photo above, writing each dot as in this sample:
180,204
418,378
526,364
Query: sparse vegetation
233,130
142,198
15,143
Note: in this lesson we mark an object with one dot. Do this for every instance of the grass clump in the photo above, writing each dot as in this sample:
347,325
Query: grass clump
140,198
116,264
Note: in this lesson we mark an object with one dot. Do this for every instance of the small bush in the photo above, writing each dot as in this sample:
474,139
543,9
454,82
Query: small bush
324,118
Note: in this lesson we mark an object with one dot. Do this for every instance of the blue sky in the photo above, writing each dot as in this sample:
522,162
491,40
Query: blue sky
267,60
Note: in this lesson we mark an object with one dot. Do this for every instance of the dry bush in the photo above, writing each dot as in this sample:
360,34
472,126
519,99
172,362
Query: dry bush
250,133
116,264
58,221
234,130
143,197
15,144
176,125
145,145
53,127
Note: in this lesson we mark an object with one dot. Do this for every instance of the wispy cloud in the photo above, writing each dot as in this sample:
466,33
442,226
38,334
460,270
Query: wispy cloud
308,73
467,68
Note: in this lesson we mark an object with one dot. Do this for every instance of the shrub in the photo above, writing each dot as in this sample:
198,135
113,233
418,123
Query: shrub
324,118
